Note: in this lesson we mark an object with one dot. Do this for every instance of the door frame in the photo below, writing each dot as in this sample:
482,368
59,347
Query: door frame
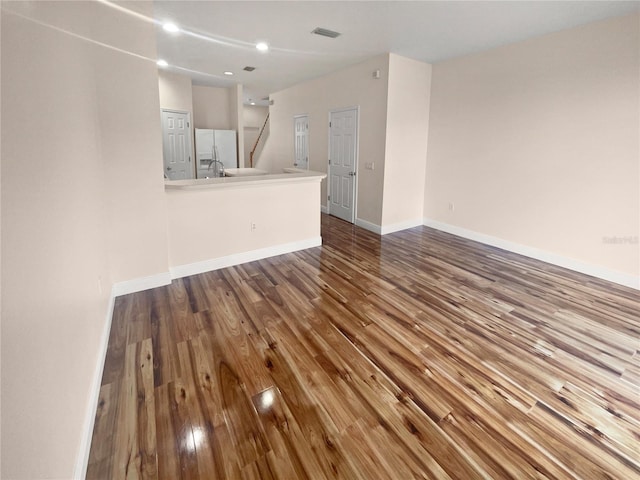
355,163
295,117
190,136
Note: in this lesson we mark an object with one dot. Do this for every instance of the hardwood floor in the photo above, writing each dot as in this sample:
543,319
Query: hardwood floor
414,355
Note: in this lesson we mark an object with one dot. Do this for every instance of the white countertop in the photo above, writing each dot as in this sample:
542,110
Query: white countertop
244,172
240,181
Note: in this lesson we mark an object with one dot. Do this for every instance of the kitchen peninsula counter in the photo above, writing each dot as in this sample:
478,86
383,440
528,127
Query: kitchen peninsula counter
226,182
219,222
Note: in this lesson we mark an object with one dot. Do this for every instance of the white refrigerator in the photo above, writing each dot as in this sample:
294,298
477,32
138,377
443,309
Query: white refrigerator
215,145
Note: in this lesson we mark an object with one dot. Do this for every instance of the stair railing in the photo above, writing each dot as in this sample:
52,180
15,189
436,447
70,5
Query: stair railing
255,145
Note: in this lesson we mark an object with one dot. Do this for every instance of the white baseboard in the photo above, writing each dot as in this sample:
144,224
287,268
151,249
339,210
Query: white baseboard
238,258
139,284
396,227
324,209
161,279
383,230
548,257
372,227
82,461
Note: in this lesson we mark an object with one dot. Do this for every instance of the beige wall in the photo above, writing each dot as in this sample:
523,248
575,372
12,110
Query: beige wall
82,207
393,132
175,91
254,115
236,111
194,237
406,141
54,248
1,310
131,148
351,87
211,107
537,143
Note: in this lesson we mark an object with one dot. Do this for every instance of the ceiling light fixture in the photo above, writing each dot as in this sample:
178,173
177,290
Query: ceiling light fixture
170,27
262,46
252,103
162,63
228,73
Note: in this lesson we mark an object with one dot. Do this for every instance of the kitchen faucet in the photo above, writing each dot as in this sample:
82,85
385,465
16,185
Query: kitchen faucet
217,171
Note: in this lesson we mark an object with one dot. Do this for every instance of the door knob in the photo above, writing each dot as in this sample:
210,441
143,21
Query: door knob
168,168
352,174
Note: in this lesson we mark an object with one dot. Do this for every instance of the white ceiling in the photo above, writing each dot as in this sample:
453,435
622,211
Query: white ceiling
218,36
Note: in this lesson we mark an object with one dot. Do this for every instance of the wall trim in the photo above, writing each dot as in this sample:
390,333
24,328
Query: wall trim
244,257
372,227
384,230
82,460
323,209
139,284
545,256
396,227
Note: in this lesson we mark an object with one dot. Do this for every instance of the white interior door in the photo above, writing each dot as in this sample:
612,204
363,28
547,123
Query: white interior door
343,142
176,145
301,141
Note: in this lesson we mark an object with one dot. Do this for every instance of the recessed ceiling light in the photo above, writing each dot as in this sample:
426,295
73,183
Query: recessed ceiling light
262,46
162,63
170,27
228,73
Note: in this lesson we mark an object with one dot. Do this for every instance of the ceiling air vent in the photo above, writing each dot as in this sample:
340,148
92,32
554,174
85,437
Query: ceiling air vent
249,69
325,32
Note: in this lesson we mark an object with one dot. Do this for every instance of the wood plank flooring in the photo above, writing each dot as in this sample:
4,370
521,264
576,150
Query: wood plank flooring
415,355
